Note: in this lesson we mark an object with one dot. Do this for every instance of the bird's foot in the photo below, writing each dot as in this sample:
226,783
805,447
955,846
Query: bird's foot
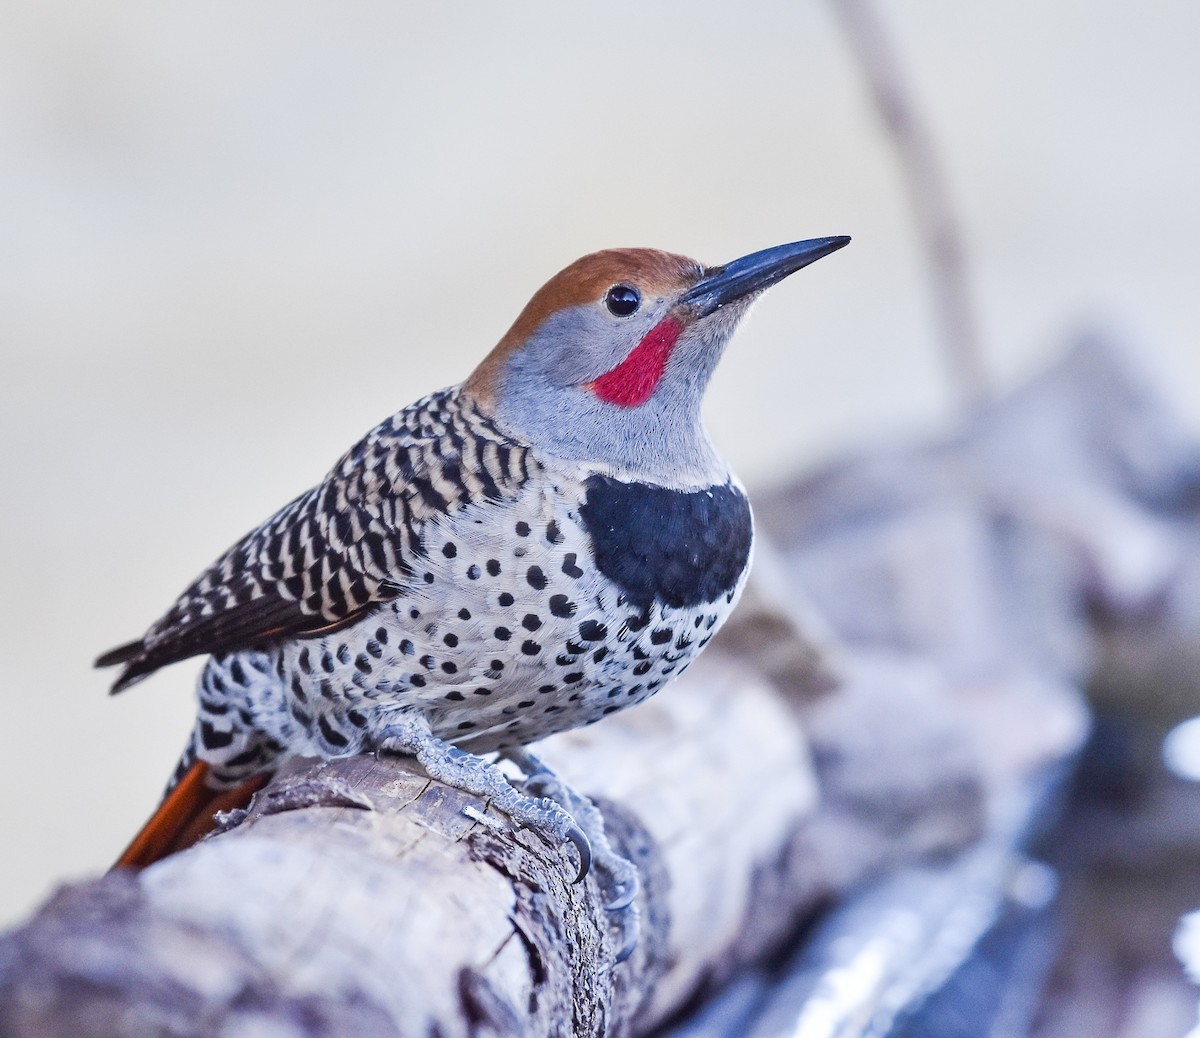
617,875
410,735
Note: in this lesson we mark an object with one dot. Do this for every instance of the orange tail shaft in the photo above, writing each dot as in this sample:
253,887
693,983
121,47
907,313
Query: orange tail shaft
185,815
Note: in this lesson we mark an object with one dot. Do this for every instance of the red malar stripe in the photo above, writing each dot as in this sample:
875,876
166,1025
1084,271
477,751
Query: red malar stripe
633,381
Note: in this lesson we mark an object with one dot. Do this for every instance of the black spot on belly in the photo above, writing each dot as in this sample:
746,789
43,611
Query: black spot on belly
636,623
331,734
592,630
682,548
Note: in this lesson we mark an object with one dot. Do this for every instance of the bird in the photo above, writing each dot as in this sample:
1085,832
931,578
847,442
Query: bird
546,543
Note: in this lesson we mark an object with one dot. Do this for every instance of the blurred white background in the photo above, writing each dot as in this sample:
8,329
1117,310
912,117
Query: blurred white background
236,236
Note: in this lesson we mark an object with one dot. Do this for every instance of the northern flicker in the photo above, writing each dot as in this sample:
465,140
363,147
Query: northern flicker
548,542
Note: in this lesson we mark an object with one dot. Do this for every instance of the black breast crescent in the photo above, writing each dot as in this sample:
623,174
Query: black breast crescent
683,548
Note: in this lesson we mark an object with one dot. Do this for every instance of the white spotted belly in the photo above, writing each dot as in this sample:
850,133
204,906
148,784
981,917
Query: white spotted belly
507,635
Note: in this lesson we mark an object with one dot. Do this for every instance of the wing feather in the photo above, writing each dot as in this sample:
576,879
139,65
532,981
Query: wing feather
337,551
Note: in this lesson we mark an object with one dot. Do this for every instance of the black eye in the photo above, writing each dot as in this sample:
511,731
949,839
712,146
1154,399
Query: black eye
623,300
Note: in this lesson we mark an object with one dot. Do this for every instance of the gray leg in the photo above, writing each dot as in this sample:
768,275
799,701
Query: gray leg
620,877
409,734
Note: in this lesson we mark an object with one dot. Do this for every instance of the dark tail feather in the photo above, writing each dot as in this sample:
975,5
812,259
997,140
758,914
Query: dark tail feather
184,816
121,654
131,654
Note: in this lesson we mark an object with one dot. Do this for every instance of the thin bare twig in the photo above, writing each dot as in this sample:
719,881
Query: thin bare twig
935,220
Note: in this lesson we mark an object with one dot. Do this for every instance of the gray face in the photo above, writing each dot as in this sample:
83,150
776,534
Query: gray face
543,394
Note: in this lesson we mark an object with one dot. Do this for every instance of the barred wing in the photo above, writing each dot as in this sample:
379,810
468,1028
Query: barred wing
343,547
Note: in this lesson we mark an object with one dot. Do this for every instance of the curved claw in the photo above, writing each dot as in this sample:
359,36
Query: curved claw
537,784
584,849
624,898
628,948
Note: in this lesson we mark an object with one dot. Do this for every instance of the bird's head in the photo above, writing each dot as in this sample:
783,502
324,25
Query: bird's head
608,362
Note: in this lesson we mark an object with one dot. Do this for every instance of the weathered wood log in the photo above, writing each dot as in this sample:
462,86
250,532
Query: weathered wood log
357,897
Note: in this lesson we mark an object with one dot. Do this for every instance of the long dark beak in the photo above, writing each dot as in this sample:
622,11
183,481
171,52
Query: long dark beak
753,273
